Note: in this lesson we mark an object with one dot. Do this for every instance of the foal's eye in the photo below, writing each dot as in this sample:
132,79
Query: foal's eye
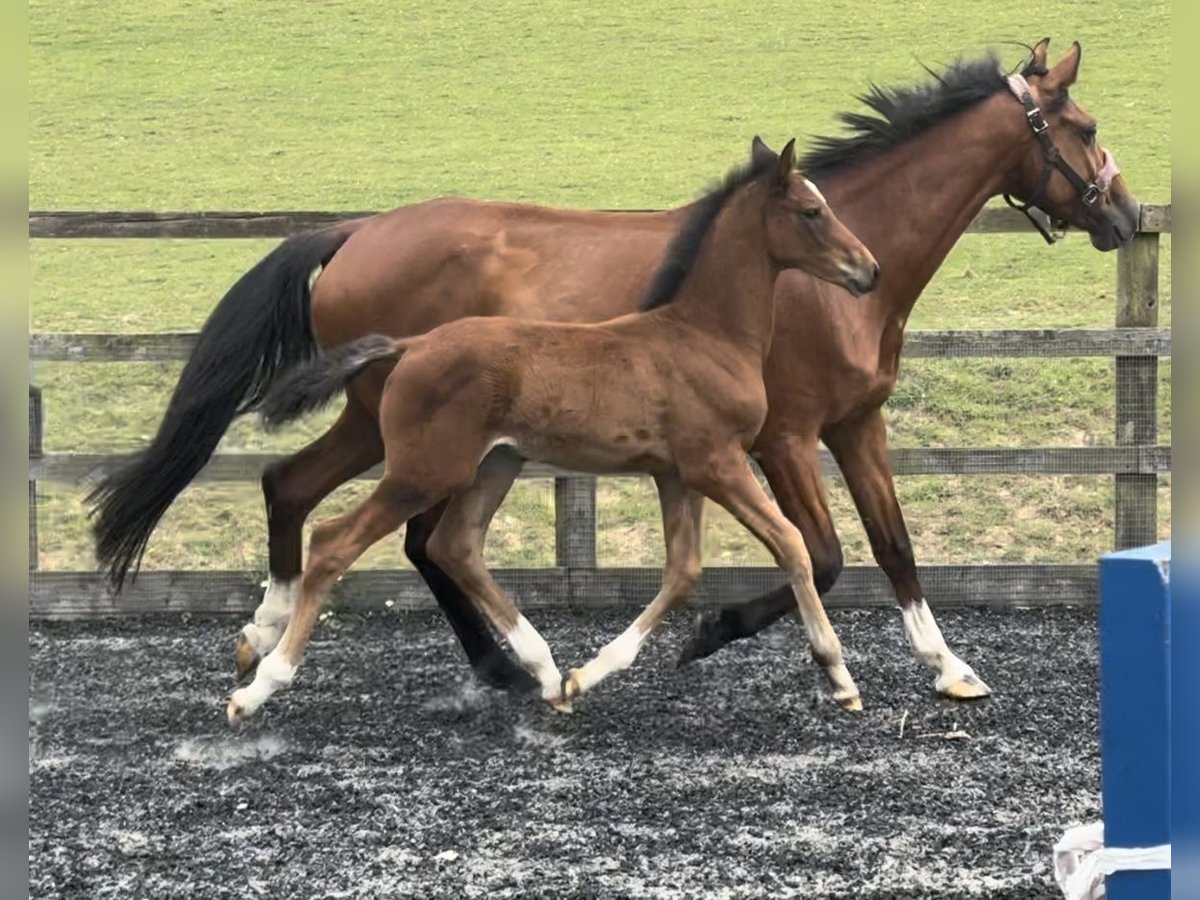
813,212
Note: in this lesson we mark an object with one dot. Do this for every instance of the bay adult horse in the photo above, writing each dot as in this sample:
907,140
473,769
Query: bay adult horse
908,178
675,390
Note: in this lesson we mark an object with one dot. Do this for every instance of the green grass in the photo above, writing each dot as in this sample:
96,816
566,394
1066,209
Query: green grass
241,105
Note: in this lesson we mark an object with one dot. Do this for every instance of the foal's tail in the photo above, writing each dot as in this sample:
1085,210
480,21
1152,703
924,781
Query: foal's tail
258,330
314,384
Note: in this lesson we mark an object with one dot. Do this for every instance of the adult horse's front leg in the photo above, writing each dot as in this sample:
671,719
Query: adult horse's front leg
683,528
728,480
292,488
793,470
860,448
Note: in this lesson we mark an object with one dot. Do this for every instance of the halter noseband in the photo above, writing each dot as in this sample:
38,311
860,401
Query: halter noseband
1090,194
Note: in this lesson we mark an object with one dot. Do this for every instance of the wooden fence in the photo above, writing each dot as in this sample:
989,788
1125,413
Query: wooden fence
1136,460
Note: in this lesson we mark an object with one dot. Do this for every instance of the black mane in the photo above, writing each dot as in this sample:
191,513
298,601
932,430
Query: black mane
685,246
900,113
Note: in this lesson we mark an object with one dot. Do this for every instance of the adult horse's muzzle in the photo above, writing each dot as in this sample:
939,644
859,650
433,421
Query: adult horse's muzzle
1117,223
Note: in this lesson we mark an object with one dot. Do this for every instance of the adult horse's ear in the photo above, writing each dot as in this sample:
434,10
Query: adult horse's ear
787,162
1037,62
1063,75
761,155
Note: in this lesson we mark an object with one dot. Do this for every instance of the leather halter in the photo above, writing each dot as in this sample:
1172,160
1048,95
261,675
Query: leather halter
1090,194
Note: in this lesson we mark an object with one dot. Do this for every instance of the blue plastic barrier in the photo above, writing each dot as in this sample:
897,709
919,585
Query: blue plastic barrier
1135,711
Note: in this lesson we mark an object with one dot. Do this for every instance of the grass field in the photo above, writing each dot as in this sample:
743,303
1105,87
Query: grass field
241,105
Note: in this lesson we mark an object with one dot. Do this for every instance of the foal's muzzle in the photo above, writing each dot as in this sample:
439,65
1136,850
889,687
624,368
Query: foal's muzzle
862,278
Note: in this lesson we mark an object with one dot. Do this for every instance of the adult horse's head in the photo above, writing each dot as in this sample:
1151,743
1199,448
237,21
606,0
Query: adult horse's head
802,231
1066,172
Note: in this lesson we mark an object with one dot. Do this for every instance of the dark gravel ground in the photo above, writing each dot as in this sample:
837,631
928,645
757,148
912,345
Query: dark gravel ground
386,771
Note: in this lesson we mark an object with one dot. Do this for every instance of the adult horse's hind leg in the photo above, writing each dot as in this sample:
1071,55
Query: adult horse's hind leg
292,488
728,480
456,546
683,528
336,543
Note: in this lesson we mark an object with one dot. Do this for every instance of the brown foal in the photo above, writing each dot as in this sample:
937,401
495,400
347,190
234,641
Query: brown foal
675,390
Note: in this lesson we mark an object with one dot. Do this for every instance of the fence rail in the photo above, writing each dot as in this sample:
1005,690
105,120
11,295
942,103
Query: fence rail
1135,461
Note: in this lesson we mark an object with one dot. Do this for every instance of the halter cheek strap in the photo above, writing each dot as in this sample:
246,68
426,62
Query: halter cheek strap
1090,194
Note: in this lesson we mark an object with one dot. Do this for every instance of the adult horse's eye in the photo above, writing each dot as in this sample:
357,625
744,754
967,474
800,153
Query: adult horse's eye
813,212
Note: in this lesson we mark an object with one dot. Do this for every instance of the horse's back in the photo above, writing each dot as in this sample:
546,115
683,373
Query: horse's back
416,267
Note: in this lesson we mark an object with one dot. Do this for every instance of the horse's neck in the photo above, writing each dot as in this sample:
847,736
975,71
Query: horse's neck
912,204
729,291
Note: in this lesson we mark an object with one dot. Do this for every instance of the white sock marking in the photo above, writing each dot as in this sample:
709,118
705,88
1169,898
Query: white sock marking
826,646
534,653
274,672
272,615
617,654
930,647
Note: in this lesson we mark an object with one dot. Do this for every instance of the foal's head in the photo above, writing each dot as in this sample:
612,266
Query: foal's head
803,233
1099,203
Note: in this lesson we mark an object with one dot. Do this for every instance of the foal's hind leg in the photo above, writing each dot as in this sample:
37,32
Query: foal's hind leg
728,480
683,528
490,663
456,546
292,489
336,543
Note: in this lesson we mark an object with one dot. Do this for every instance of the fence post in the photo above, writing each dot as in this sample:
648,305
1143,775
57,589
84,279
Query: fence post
1137,391
35,452
575,522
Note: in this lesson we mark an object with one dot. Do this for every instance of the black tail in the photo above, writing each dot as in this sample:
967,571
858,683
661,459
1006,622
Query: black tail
312,385
259,329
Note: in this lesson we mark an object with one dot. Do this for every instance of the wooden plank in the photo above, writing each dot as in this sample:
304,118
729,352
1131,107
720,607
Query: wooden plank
36,429
956,344
74,595
575,521
76,468
235,224
1136,513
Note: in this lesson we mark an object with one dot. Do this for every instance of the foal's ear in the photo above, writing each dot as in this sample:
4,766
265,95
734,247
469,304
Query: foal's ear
787,162
1064,73
761,155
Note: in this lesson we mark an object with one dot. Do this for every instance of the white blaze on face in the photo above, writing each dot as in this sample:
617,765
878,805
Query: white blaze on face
812,187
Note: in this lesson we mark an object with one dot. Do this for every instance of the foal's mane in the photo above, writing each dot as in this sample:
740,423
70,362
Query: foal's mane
900,113
685,246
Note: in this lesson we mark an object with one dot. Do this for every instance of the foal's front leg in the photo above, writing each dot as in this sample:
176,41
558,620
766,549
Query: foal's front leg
729,481
683,528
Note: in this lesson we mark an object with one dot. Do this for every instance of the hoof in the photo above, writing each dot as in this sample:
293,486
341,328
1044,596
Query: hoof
572,685
969,687
851,704
235,712
561,705
245,658
705,640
